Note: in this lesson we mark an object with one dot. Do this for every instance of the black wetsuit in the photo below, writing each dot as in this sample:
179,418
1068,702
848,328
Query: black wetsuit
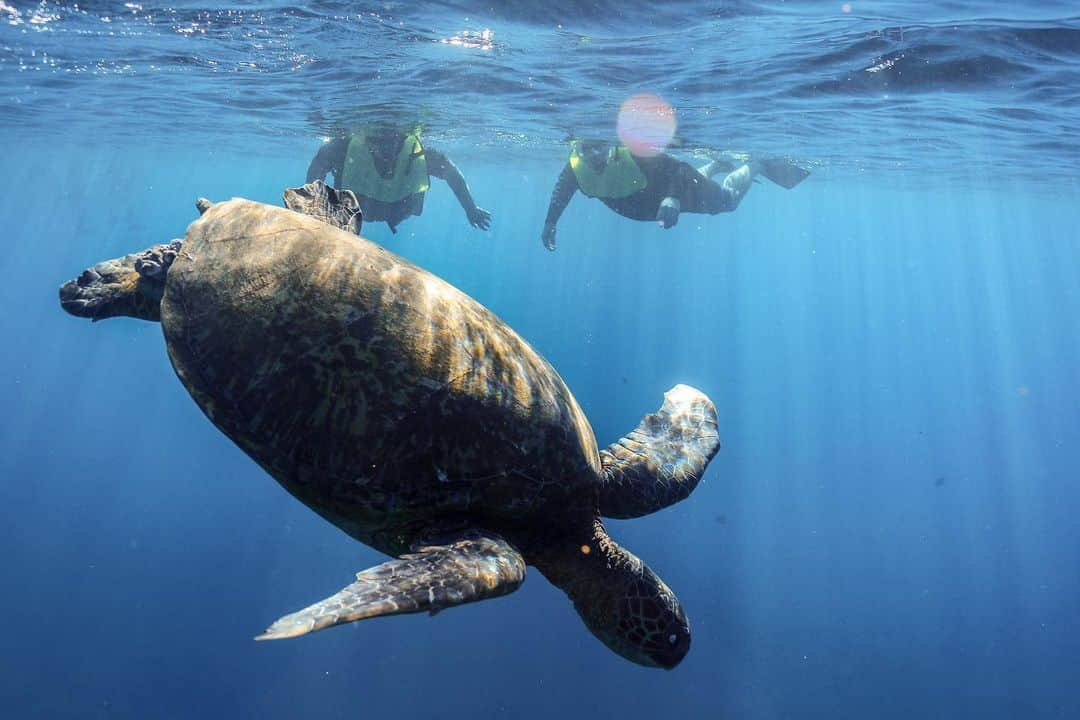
331,158
665,177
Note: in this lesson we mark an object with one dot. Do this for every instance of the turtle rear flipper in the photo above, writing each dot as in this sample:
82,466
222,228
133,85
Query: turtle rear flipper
130,286
339,208
661,461
469,567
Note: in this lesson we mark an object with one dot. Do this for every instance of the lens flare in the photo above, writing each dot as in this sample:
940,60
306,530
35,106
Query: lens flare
646,124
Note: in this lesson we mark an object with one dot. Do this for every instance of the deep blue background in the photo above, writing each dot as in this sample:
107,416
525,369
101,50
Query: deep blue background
860,344
890,528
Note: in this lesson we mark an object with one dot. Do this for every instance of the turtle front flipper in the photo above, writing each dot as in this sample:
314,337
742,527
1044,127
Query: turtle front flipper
471,566
661,461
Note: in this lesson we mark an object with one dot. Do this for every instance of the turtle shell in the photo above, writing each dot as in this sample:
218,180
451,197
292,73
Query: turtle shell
375,392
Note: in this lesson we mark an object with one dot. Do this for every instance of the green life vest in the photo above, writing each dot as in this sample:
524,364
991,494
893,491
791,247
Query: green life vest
409,174
621,176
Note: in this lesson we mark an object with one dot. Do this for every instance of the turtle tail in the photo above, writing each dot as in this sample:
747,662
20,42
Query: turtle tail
662,460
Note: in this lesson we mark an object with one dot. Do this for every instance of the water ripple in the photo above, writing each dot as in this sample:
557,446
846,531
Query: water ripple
870,90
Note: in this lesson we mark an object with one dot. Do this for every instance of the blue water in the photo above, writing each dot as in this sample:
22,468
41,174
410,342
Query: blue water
890,528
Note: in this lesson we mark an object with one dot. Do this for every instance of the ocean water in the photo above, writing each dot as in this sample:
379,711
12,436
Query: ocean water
889,530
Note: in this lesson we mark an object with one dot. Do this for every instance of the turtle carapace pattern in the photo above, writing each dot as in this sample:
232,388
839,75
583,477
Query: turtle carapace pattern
409,416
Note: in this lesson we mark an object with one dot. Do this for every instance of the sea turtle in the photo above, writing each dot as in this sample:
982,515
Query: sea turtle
409,416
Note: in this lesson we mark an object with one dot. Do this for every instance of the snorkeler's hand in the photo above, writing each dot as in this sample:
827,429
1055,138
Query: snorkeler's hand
479,218
668,214
548,236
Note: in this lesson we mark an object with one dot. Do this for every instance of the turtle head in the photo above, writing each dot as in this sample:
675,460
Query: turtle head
648,625
623,603
130,286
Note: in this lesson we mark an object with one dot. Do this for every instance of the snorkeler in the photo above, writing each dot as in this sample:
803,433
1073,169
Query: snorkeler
659,187
389,172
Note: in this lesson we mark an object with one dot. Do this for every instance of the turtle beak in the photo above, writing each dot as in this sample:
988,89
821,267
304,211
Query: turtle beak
108,289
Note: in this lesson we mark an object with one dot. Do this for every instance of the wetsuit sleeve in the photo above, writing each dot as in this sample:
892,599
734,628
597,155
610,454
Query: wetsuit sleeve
440,166
330,158
667,173
565,187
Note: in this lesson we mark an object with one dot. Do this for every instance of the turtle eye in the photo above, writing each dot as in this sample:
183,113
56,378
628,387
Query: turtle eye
672,638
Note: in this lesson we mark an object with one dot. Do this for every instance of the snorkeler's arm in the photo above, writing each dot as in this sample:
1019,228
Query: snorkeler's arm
440,166
330,158
565,187
674,186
